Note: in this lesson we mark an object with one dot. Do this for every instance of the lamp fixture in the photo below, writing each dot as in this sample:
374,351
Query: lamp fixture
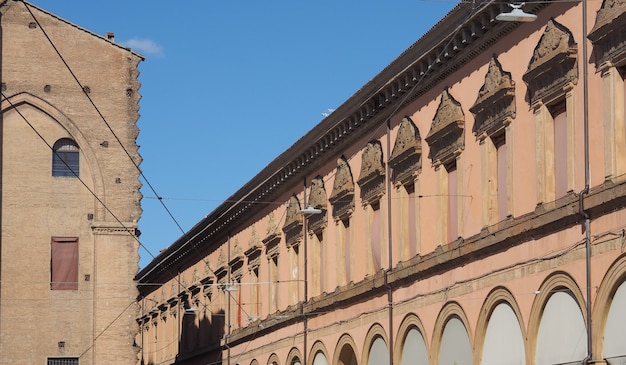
310,211
230,288
516,15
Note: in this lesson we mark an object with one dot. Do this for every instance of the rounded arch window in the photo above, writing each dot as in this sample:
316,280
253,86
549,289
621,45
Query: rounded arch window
65,158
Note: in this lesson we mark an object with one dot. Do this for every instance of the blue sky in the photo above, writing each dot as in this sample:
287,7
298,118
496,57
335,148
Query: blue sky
229,85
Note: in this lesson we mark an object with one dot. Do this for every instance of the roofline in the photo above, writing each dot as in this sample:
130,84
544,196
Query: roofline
7,3
460,35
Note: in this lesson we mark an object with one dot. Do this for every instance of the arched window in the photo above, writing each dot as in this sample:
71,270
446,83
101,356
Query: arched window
65,156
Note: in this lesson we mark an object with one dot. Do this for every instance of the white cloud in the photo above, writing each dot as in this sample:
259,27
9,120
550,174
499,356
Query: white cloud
144,46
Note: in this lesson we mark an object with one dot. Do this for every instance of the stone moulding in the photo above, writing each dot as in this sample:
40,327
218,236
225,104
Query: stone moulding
173,303
342,197
236,266
609,33
445,137
372,176
406,157
220,274
271,243
553,66
207,287
317,199
254,257
494,108
293,223
110,228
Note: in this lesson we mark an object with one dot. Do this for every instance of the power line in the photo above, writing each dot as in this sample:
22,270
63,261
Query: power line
102,117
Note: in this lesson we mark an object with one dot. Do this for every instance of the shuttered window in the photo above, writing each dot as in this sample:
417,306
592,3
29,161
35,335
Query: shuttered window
64,263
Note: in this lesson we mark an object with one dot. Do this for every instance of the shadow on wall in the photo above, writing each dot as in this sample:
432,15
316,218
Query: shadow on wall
200,336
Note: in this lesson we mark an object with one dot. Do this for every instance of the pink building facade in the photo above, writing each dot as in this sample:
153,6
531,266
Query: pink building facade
467,206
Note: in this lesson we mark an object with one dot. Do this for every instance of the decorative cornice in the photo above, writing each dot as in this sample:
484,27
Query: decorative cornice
553,66
318,199
293,223
236,266
495,106
207,286
609,33
372,177
342,197
445,137
220,273
253,253
406,157
113,228
272,247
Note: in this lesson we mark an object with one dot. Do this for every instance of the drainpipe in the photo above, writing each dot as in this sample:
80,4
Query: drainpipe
306,277
389,243
228,305
143,343
585,191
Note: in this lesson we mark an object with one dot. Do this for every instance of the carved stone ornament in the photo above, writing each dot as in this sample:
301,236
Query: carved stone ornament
220,273
372,176
446,135
272,226
317,199
221,259
237,250
236,266
554,65
293,223
195,277
207,285
253,253
254,240
494,108
406,157
272,247
342,197
609,33
207,268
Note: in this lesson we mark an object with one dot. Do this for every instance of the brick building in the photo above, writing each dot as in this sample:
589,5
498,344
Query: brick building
468,206
70,192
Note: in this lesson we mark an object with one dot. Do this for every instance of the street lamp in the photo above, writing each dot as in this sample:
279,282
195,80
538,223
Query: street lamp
516,15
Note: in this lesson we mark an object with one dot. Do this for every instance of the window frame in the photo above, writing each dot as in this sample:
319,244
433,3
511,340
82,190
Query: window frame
65,158
62,267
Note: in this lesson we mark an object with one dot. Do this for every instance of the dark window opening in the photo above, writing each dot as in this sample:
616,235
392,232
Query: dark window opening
62,361
65,158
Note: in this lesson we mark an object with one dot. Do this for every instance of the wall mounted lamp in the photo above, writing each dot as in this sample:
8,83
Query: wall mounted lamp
516,15
310,211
